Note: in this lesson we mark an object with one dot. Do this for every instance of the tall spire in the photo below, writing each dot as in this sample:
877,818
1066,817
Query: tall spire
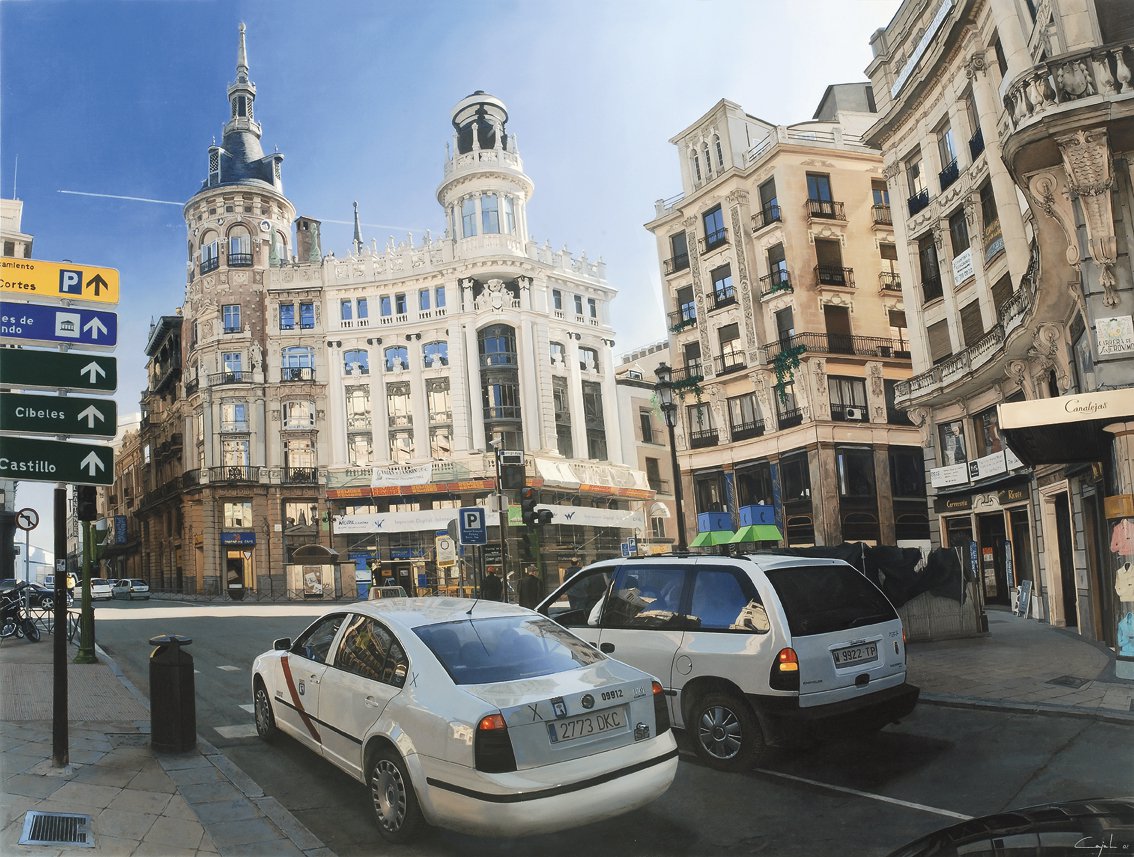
357,232
242,58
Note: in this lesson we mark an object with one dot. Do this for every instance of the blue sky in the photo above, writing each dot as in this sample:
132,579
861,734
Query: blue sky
124,98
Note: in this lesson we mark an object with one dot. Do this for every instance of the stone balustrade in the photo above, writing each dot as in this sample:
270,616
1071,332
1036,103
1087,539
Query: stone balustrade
1047,87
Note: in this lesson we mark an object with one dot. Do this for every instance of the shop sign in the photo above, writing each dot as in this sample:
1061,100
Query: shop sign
1014,495
945,505
407,553
1115,335
234,539
963,266
950,474
987,465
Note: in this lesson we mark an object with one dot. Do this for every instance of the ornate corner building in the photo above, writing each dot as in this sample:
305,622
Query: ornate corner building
787,329
1007,128
298,398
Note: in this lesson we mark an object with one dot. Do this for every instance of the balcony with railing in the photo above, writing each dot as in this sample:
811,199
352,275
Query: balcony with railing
501,412
297,373
301,475
918,202
949,174
730,361
881,215
844,413
716,238
766,216
790,418
234,426
680,262
829,275
234,473
240,260
725,297
682,318
931,288
208,265
774,283
890,281
498,360
839,343
825,209
703,438
748,430
691,373
233,376
976,144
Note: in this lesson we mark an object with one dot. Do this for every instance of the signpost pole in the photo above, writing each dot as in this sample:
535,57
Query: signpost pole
86,653
59,752
503,529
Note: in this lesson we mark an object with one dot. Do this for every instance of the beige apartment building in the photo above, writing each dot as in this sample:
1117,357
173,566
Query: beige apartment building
1006,128
787,329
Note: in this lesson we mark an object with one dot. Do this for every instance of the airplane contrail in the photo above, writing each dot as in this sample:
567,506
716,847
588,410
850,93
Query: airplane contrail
180,204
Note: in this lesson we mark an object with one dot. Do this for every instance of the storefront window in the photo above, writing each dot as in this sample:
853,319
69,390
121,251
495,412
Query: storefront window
238,513
986,426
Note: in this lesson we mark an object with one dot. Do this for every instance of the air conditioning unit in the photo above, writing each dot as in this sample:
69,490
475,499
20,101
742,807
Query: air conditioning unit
857,414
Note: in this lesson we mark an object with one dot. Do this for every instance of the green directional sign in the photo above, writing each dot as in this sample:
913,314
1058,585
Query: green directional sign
71,415
57,370
33,460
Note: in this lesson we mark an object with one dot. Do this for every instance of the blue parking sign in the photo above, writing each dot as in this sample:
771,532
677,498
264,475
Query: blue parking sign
472,527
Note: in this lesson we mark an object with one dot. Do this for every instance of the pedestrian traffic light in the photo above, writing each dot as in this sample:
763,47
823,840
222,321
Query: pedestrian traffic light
528,500
86,505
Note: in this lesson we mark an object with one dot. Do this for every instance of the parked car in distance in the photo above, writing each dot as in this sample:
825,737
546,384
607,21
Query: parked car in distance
478,716
38,595
753,651
100,589
130,588
377,592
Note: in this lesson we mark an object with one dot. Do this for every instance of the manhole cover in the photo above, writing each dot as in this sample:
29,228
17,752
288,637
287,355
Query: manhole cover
57,828
1069,681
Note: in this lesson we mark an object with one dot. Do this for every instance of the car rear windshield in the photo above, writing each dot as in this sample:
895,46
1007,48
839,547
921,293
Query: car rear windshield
819,599
98,581
505,648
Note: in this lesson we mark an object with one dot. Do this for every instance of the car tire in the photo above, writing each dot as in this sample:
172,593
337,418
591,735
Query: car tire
725,732
46,602
265,718
392,797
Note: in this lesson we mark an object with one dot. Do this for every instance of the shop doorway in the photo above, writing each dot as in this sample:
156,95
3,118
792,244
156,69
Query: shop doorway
1105,608
1066,559
991,554
234,573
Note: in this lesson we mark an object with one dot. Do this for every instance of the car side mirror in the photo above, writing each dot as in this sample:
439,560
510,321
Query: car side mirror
282,644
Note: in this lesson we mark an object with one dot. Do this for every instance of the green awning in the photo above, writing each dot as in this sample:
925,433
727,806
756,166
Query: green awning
757,533
713,537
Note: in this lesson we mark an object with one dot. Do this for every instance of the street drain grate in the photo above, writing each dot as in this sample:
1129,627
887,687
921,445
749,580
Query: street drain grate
57,828
1069,681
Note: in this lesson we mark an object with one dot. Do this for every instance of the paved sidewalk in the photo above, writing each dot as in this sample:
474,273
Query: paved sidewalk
162,804
141,802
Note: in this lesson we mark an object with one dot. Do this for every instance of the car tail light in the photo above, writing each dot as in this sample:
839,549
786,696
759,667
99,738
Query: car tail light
661,709
493,746
785,671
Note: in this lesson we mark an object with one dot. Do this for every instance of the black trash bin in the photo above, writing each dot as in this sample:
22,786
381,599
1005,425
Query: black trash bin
173,705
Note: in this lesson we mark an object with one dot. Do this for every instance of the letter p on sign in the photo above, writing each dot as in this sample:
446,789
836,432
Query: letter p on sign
70,282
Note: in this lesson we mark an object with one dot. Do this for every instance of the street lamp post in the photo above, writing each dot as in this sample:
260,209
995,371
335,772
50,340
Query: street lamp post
664,388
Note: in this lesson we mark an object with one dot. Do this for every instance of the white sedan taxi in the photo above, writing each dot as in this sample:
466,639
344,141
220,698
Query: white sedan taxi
477,716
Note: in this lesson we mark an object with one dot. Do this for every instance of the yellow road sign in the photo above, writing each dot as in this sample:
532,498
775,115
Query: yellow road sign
31,278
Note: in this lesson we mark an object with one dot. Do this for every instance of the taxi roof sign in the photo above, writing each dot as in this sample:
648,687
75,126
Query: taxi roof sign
31,278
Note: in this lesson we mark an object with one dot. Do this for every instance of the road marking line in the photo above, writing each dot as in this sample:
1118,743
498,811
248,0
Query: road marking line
882,798
229,669
244,730
249,707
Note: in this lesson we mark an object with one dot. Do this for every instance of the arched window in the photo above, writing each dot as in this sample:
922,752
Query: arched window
720,151
497,346
356,361
210,252
239,248
297,363
435,354
397,358
588,359
509,215
695,164
708,160
279,249
490,213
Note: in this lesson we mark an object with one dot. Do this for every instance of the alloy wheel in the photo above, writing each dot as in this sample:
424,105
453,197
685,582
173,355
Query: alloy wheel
719,732
388,791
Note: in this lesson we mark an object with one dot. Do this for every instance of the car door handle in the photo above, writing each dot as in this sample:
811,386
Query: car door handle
371,702
606,647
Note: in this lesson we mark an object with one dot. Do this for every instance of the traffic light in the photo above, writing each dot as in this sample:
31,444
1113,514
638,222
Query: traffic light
543,517
511,477
528,500
86,505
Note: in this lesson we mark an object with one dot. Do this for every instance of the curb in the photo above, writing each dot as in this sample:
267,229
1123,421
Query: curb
291,827
1046,709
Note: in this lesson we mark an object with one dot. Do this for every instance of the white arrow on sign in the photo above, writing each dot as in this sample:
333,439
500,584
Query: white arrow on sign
94,327
93,371
90,414
91,462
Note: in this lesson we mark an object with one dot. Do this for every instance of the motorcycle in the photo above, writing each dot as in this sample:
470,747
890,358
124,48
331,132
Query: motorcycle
14,620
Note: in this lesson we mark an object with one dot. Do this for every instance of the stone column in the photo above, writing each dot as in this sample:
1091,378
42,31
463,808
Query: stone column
575,396
887,529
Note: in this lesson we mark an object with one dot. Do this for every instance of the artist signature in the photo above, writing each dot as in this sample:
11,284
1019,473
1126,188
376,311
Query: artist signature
1106,845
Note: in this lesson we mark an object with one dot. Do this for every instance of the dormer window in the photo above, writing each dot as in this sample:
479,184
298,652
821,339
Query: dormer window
214,166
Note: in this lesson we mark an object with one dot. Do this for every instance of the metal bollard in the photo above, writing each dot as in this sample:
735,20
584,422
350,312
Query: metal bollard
173,705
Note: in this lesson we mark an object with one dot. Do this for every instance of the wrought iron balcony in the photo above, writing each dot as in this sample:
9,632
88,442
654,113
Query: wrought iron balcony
724,297
297,373
691,373
703,438
949,175
827,275
766,216
301,475
208,265
840,343
918,201
825,209
976,144
777,281
882,215
790,418
890,281
240,260
234,473
713,240
931,288
680,262
730,361
744,431
233,376
682,318
498,360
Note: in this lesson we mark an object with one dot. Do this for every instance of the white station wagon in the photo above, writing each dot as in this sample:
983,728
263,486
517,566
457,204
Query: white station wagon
482,717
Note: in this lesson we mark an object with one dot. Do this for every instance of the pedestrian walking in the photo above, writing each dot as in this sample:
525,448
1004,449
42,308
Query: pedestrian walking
531,589
492,587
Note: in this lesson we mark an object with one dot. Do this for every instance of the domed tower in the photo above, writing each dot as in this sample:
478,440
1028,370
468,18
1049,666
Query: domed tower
485,192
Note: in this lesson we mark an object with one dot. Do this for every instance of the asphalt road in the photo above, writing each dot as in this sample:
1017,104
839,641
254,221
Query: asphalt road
860,797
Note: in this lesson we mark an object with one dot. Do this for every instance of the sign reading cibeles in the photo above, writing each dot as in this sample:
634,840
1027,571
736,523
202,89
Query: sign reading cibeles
59,322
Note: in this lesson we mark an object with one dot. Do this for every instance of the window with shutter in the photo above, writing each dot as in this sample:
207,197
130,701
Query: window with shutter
939,346
972,325
1001,291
